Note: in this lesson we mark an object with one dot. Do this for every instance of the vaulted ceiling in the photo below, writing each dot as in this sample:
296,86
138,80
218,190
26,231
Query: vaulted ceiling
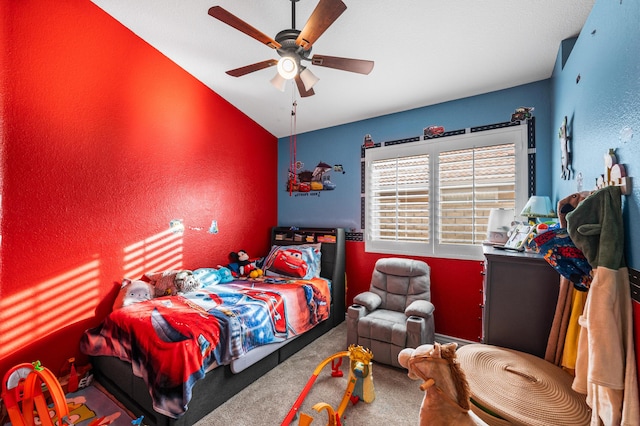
425,51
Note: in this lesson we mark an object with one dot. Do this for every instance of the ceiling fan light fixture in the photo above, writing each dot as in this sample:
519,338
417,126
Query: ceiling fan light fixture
287,67
308,78
279,82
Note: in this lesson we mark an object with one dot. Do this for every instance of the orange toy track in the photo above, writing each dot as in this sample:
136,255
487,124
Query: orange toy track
296,406
357,353
22,390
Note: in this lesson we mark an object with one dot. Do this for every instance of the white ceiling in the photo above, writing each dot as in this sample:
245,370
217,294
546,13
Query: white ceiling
425,51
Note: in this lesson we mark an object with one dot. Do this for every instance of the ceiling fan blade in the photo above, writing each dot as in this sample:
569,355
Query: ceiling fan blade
237,23
303,92
360,66
325,13
239,72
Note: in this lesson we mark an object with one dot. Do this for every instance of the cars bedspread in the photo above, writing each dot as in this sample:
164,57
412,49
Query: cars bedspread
172,341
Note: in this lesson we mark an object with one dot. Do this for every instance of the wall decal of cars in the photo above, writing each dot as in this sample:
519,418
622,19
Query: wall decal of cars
521,114
317,180
433,131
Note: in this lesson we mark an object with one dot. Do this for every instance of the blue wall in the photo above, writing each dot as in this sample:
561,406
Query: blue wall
605,101
342,145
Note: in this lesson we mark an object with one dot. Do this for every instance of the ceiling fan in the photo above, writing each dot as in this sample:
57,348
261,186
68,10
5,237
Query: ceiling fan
294,47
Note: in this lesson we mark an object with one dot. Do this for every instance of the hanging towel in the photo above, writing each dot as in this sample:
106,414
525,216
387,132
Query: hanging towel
605,362
570,350
557,335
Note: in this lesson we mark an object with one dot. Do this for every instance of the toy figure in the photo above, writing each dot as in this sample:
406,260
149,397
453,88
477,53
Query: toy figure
565,151
240,263
361,370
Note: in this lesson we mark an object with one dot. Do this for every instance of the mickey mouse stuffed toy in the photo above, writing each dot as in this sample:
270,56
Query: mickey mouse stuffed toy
240,263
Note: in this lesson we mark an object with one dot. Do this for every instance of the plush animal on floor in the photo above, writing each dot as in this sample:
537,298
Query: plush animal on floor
133,291
446,399
170,283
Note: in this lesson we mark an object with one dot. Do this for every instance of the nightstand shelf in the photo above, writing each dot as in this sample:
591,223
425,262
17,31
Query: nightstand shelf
520,297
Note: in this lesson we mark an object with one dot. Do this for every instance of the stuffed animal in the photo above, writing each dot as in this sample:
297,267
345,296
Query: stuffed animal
133,291
568,204
213,276
225,275
208,276
240,263
170,283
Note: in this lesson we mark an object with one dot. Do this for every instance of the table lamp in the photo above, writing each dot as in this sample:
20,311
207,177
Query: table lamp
537,207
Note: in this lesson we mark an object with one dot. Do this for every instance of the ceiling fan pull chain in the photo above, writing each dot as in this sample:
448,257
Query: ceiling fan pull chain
293,148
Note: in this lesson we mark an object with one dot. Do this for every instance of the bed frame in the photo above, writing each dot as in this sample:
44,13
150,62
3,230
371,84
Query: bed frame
222,383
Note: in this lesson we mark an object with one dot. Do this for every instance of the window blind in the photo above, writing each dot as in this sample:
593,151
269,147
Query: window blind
472,182
433,197
399,197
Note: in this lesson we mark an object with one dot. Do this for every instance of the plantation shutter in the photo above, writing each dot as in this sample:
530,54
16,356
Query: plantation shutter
399,199
471,182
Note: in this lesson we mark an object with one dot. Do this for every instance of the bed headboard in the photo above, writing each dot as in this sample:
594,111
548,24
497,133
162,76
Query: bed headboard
332,260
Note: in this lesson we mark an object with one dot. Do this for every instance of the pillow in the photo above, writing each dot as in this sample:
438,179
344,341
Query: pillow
133,291
296,261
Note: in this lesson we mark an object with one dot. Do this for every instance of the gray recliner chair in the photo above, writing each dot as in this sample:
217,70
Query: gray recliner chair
396,312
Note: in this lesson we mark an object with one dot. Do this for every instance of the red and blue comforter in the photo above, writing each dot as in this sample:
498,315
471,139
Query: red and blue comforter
172,341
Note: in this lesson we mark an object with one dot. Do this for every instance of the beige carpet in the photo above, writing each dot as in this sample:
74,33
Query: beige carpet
268,400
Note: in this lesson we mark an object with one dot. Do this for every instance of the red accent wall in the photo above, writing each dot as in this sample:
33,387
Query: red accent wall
104,141
456,289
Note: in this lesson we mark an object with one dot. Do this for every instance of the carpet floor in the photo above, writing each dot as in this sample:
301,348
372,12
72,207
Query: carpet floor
268,400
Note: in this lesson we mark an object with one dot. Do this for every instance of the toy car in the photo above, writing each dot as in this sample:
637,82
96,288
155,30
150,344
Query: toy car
521,114
304,187
328,185
433,131
316,186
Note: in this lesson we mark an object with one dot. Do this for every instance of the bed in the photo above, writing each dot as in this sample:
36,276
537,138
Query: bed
224,368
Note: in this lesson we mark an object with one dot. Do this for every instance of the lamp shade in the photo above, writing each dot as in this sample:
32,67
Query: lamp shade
278,82
538,206
308,78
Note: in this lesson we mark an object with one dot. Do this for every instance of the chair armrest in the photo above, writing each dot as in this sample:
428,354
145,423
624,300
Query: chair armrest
354,313
369,300
420,308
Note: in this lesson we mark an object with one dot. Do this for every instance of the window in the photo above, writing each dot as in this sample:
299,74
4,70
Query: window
432,197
